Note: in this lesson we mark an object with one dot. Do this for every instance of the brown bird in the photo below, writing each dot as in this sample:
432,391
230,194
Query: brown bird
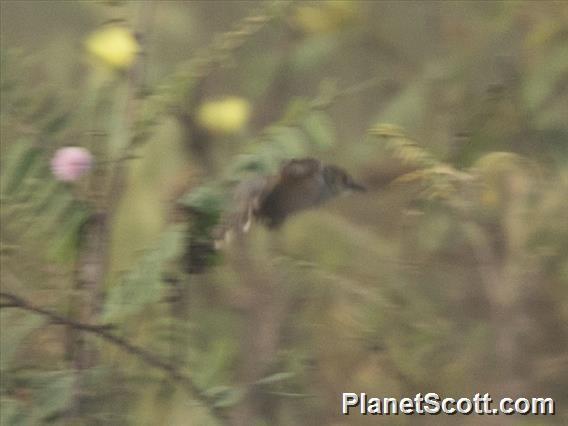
300,184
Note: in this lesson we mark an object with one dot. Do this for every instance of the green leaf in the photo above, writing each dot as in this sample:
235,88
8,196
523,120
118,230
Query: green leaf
313,51
205,199
64,246
281,143
53,392
319,128
406,109
20,327
56,123
143,285
277,377
20,158
48,195
12,412
295,110
285,142
249,163
215,361
226,396
60,206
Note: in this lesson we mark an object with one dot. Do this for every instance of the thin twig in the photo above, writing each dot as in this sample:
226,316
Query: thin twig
103,331
324,102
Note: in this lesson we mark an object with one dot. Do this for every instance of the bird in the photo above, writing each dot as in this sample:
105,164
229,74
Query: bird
300,184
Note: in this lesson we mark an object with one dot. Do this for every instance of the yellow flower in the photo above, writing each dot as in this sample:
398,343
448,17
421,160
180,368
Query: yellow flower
312,19
326,16
225,116
114,46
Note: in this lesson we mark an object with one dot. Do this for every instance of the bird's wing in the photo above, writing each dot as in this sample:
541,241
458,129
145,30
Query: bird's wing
246,200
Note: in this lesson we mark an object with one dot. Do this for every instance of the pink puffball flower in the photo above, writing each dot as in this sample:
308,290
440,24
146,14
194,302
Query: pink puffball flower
70,163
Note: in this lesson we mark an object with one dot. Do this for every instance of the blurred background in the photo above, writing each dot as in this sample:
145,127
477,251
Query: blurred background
449,275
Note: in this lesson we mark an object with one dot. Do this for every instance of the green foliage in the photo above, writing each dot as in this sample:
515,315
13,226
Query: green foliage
404,148
205,199
50,394
12,343
143,285
301,131
12,412
440,180
319,128
225,396
389,292
213,363
34,206
37,111
274,378
313,52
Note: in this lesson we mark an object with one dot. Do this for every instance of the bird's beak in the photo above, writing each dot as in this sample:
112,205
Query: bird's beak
354,186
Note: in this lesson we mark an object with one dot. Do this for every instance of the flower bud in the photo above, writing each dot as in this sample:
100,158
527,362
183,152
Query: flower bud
70,163
116,47
224,117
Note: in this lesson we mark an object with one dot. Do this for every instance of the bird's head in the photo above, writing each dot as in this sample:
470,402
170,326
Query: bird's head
338,181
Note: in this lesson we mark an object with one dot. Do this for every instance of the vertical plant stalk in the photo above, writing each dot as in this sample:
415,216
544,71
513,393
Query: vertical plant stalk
265,310
504,275
190,86
94,257
496,285
196,140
